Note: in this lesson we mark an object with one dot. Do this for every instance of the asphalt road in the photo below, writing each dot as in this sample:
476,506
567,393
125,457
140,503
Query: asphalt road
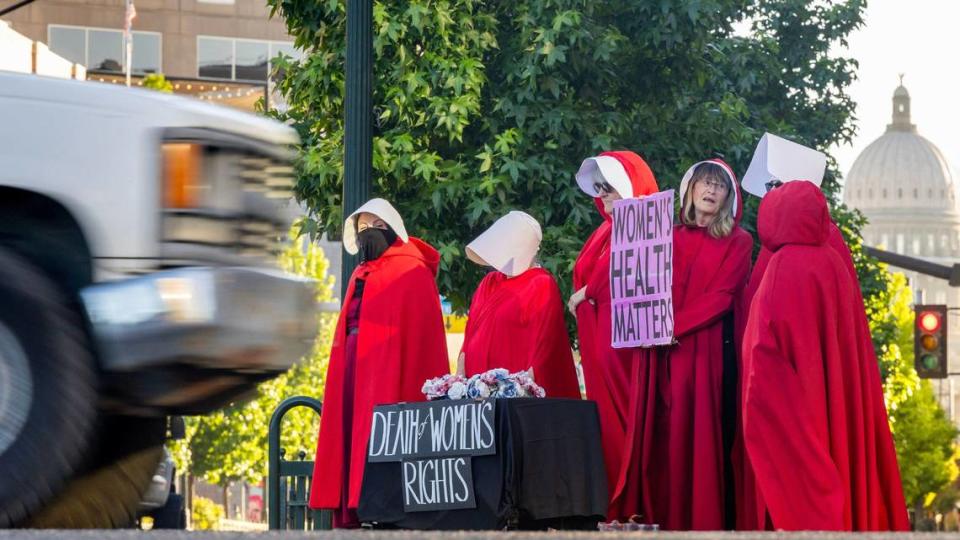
460,535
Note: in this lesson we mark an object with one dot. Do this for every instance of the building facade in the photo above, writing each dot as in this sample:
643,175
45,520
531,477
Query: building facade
220,49
905,187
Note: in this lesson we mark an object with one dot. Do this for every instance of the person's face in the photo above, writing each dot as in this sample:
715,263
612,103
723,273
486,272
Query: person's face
709,195
607,195
367,220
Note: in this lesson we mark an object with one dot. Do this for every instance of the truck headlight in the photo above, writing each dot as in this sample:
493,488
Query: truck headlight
182,175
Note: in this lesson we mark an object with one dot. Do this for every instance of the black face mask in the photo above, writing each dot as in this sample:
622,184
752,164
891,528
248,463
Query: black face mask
373,242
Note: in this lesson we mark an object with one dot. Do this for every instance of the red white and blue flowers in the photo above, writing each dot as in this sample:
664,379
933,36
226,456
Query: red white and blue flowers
496,383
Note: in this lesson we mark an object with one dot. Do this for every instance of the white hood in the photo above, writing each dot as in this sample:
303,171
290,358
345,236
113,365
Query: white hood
383,210
611,170
510,245
779,159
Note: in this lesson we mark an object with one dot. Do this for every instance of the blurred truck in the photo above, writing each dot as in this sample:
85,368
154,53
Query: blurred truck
138,235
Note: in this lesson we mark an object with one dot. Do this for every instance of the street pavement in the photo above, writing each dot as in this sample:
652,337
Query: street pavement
438,535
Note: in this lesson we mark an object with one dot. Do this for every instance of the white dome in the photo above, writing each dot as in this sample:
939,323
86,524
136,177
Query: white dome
901,169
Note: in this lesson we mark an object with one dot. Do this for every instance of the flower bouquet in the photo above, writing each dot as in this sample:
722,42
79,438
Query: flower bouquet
496,383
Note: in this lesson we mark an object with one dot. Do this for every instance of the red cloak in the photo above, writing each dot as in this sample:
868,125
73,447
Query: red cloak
401,344
709,276
517,323
622,382
815,427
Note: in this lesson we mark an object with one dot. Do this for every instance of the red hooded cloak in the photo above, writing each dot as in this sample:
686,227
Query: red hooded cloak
815,427
622,382
709,276
401,344
517,323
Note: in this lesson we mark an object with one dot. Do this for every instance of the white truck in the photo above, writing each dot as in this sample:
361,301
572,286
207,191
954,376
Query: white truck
137,281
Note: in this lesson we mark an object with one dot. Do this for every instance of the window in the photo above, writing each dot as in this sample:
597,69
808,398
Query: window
916,246
885,241
102,49
899,193
884,193
901,107
252,60
943,241
239,59
900,243
105,50
215,58
931,243
146,52
70,43
916,193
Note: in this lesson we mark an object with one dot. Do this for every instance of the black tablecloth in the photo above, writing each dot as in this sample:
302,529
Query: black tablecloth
548,471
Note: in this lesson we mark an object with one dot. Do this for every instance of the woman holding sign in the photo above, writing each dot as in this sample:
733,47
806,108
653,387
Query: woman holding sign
389,339
516,316
711,263
620,381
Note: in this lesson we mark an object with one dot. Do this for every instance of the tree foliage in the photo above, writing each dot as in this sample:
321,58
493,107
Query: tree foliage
924,439
231,444
483,106
923,435
158,82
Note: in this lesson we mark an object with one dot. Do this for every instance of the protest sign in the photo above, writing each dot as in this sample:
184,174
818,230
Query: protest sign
434,442
641,271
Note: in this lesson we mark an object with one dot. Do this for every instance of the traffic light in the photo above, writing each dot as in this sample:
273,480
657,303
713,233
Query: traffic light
930,341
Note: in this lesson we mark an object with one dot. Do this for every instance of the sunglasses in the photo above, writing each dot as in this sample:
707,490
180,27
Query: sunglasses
773,184
603,187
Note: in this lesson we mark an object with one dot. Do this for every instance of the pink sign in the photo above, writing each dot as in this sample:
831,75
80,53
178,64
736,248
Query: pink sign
641,271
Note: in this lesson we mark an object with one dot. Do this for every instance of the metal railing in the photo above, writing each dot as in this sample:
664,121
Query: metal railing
288,481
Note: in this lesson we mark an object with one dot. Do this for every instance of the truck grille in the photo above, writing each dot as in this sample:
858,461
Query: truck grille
248,237
240,199
268,176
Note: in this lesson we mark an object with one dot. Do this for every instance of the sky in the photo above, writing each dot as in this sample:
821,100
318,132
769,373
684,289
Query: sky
921,39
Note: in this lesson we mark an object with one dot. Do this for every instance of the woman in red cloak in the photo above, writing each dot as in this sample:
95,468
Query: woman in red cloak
814,423
388,341
516,316
622,382
711,257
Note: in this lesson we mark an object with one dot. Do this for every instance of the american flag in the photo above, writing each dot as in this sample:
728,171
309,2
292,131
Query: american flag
129,17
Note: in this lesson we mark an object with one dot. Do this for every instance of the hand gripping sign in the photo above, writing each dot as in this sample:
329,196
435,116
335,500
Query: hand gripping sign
641,271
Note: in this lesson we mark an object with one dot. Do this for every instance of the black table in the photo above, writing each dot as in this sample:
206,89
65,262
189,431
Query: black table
548,472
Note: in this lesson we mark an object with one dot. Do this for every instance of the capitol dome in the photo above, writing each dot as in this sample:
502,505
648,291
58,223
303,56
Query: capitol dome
901,169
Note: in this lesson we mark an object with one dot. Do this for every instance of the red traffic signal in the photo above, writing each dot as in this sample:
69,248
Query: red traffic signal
929,321
930,341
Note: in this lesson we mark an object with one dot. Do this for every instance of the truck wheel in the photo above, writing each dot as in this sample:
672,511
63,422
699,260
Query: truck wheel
47,389
105,498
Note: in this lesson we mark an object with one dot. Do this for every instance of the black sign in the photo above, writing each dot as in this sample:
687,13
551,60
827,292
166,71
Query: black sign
438,484
441,428
434,443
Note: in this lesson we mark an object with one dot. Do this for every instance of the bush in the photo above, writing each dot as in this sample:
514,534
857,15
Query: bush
206,514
